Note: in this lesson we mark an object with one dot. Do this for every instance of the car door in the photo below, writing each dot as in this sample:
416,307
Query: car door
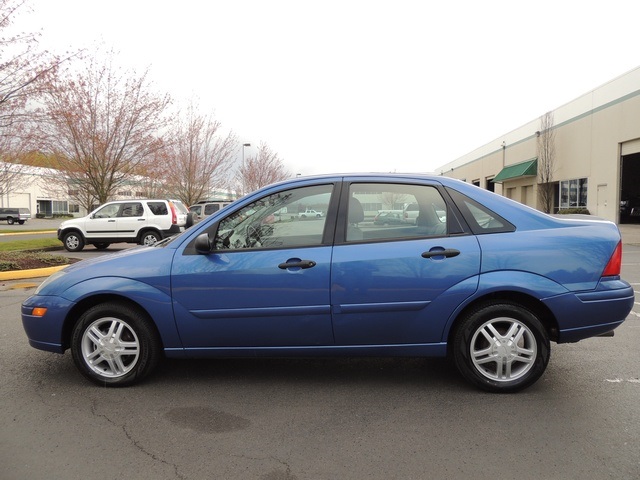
265,281
103,223
399,284
131,218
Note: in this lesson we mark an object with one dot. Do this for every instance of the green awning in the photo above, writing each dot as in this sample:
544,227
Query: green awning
524,169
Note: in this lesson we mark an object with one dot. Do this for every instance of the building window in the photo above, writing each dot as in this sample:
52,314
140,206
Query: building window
573,193
74,208
59,207
125,193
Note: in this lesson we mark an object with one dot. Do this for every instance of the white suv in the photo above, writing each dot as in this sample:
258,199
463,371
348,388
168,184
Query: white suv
132,221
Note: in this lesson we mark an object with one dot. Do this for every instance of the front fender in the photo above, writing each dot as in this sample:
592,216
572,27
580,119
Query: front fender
156,302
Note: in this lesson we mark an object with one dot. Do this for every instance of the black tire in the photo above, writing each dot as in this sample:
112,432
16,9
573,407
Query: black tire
21,222
73,242
501,347
101,245
115,345
10,221
149,238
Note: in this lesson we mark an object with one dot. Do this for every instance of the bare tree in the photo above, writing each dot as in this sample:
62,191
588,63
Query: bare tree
201,156
23,69
393,200
260,170
103,126
545,144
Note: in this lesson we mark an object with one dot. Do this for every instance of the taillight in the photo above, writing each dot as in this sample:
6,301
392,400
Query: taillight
615,263
174,214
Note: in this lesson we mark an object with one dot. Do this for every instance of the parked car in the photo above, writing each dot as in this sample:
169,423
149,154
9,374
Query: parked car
388,218
410,213
204,209
482,278
132,221
630,209
310,213
15,215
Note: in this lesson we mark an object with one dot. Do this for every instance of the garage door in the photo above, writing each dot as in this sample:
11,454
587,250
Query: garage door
630,147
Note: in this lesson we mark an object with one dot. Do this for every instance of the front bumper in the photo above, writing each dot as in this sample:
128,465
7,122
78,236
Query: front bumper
46,332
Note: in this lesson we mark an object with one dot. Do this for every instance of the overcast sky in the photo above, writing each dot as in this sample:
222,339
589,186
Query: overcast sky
337,86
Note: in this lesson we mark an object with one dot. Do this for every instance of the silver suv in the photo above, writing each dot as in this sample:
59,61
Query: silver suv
132,221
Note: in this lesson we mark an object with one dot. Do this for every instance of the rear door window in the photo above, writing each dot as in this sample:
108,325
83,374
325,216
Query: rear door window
367,201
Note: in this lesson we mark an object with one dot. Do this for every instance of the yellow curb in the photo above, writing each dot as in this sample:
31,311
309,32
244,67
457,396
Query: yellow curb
33,273
38,232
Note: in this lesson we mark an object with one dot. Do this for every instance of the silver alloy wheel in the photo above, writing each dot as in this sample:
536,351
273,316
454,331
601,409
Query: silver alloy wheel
503,349
149,239
110,347
72,242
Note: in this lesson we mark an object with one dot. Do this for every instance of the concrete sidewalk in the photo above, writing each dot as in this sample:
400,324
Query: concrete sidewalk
630,233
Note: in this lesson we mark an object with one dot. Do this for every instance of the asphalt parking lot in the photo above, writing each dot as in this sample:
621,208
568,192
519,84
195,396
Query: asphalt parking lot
321,418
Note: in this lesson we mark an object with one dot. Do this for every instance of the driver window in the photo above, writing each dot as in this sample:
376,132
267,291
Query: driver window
108,211
292,218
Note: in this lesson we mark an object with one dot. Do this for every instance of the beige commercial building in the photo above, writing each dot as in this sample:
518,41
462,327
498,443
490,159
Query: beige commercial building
597,155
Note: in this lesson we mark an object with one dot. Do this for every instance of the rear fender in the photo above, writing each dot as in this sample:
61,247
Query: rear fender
534,286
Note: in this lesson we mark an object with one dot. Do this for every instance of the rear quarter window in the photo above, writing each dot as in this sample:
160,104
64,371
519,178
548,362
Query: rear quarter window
480,218
158,208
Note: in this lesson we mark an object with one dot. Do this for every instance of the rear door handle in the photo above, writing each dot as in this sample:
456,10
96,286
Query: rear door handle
447,253
297,264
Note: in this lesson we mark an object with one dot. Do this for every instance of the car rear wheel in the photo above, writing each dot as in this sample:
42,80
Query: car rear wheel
149,238
501,347
115,345
10,221
73,242
101,246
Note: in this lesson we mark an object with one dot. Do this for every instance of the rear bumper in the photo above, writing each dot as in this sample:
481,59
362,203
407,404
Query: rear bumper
587,314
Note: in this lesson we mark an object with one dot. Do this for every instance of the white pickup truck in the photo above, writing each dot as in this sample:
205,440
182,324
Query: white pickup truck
308,213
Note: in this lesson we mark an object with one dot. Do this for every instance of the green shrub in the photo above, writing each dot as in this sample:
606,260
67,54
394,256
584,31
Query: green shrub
574,211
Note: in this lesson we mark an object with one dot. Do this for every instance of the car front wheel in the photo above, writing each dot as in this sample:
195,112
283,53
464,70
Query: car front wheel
149,238
114,345
10,221
73,242
501,347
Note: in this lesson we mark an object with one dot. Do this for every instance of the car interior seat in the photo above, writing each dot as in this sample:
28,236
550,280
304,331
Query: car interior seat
355,216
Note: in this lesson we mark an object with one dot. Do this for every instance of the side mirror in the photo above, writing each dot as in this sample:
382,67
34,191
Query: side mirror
203,243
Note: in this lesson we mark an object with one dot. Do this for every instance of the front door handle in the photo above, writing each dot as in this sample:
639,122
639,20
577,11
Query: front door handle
447,253
297,264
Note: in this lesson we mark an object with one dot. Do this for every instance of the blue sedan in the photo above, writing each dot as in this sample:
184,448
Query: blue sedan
478,277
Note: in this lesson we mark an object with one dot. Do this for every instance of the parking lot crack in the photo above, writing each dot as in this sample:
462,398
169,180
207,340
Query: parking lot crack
136,443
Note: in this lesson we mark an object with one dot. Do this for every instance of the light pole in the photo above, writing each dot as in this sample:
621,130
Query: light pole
243,182
244,145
